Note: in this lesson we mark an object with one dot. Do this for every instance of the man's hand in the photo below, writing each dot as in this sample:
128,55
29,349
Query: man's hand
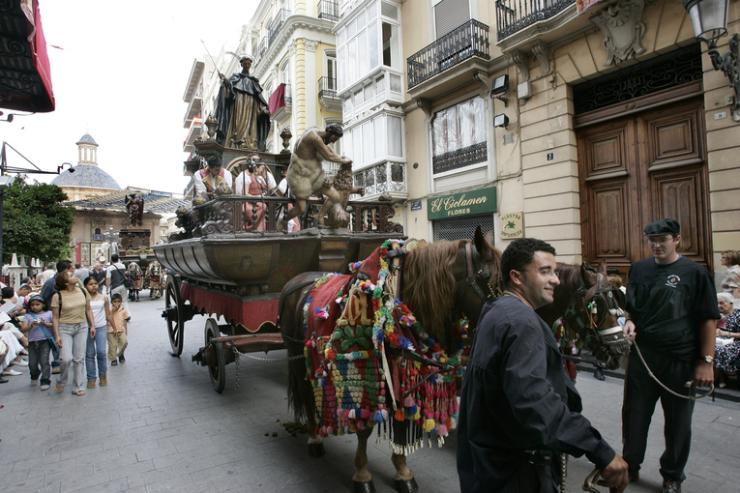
58,341
616,474
630,330
346,161
92,332
703,374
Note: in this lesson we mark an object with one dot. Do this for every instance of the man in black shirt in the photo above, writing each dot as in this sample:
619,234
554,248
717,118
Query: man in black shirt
672,314
519,410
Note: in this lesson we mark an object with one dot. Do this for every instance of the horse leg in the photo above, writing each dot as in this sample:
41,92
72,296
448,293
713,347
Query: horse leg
404,481
315,442
362,480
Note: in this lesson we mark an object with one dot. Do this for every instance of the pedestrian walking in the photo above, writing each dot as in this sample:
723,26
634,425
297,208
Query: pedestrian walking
672,316
519,410
115,277
72,320
117,330
99,273
38,326
96,352
47,290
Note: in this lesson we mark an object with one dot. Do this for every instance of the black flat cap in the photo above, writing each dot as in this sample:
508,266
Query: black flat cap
663,227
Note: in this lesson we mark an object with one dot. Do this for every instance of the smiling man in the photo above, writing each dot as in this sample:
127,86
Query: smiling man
672,314
519,410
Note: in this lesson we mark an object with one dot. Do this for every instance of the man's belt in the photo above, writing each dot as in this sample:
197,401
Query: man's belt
539,456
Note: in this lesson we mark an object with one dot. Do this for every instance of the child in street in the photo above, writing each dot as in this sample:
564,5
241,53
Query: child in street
117,330
37,324
95,361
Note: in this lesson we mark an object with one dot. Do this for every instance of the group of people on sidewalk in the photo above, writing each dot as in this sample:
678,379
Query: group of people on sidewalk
520,411
68,325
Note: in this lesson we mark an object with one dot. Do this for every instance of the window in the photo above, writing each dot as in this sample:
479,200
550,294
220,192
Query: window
391,53
449,14
459,135
462,228
331,71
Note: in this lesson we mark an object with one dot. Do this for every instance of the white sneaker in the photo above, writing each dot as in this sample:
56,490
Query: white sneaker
9,372
20,362
44,387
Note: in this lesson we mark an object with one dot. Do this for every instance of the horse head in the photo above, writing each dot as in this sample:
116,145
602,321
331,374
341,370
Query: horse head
447,280
593,315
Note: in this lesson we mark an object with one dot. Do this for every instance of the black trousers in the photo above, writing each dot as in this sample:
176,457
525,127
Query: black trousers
641,393
38,361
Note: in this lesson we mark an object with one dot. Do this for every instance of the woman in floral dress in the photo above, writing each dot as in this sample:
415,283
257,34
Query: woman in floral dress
727,353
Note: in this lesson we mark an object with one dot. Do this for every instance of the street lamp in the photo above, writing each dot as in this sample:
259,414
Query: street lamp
709,20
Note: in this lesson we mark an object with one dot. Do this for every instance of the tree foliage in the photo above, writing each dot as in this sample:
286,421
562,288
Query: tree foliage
35,223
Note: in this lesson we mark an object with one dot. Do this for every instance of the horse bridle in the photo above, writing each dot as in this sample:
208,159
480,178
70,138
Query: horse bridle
477,280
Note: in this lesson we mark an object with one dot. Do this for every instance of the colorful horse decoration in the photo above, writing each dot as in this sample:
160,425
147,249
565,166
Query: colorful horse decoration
374,361
153,279
137,280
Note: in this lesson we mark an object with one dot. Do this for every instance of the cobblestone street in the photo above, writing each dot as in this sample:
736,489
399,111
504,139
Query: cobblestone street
159,426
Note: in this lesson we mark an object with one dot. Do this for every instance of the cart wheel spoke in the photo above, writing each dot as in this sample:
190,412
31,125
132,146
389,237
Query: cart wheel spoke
215,357
174,315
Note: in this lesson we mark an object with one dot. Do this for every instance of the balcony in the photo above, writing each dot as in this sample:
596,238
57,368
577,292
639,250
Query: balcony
464,42
285,109
195,107
328,93
521,22
277,22
388,177
476,153
194,132
261,49
328,9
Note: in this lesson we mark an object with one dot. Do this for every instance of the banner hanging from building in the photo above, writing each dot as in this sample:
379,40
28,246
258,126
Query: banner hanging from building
469,203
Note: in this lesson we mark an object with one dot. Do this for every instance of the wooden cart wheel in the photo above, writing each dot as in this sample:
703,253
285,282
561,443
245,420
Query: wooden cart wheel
174,315
215,357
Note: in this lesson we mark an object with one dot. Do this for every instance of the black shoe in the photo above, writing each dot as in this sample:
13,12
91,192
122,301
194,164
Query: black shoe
3,379
114,362
121,359
671,486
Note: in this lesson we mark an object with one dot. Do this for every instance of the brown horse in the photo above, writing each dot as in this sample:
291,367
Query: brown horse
441,282
590,306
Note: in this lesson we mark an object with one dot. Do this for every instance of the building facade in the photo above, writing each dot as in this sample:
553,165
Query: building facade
295,59
574,122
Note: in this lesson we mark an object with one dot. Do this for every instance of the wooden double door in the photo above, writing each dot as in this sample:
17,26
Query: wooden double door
636,169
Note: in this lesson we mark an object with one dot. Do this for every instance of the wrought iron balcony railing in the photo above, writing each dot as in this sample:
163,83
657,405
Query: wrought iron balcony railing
476,153
276,23
328,9
465,41
515,15
328,87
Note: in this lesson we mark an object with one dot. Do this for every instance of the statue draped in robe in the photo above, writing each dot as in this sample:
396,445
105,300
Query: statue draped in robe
243,118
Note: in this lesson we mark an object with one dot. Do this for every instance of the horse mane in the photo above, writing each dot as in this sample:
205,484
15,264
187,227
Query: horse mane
570,282
429,284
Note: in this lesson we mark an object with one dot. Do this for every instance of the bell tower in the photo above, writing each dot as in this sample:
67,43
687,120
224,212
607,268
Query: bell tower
87,149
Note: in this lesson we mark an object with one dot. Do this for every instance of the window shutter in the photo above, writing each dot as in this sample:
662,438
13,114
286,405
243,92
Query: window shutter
449,14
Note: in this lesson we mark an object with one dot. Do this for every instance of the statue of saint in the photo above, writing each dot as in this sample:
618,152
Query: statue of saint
134,203
305,175
242,114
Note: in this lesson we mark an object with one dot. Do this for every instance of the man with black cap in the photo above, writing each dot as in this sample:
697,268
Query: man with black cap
671,315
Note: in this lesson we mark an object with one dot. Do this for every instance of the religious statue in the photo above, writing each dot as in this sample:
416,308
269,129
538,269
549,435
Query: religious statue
305,175
336,212
135,207
242,114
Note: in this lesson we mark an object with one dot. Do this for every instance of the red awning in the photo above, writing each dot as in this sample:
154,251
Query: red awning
25,77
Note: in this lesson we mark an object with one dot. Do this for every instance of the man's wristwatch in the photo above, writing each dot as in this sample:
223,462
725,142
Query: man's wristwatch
708,359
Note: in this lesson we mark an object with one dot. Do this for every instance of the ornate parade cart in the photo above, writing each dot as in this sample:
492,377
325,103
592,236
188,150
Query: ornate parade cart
221,267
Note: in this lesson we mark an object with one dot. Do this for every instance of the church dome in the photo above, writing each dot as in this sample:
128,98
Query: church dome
86,139
86,176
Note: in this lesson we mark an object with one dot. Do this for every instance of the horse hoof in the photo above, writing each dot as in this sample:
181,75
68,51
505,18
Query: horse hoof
316,450
363,487
405,485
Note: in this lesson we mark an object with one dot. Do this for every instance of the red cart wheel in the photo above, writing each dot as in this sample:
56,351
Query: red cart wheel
215,357
174,315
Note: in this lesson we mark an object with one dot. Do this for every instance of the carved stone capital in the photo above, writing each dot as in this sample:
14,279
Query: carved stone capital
541,52
623,29
310,45
521,60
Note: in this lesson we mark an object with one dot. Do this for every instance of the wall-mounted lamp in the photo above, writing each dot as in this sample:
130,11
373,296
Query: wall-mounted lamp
709,19
65,165
501,120
500,87
8,118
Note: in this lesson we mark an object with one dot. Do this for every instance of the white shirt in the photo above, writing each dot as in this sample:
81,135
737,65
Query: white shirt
112,267
200,186
245,179
46,275
283,186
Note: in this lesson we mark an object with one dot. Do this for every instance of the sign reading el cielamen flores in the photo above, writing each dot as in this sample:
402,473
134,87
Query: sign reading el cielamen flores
470,203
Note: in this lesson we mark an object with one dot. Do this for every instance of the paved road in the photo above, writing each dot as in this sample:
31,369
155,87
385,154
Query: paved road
158,427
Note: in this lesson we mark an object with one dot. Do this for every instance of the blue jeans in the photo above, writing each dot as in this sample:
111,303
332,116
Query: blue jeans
97,348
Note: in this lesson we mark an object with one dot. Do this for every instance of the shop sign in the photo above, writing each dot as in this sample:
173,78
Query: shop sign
470,203
416,205
512,225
